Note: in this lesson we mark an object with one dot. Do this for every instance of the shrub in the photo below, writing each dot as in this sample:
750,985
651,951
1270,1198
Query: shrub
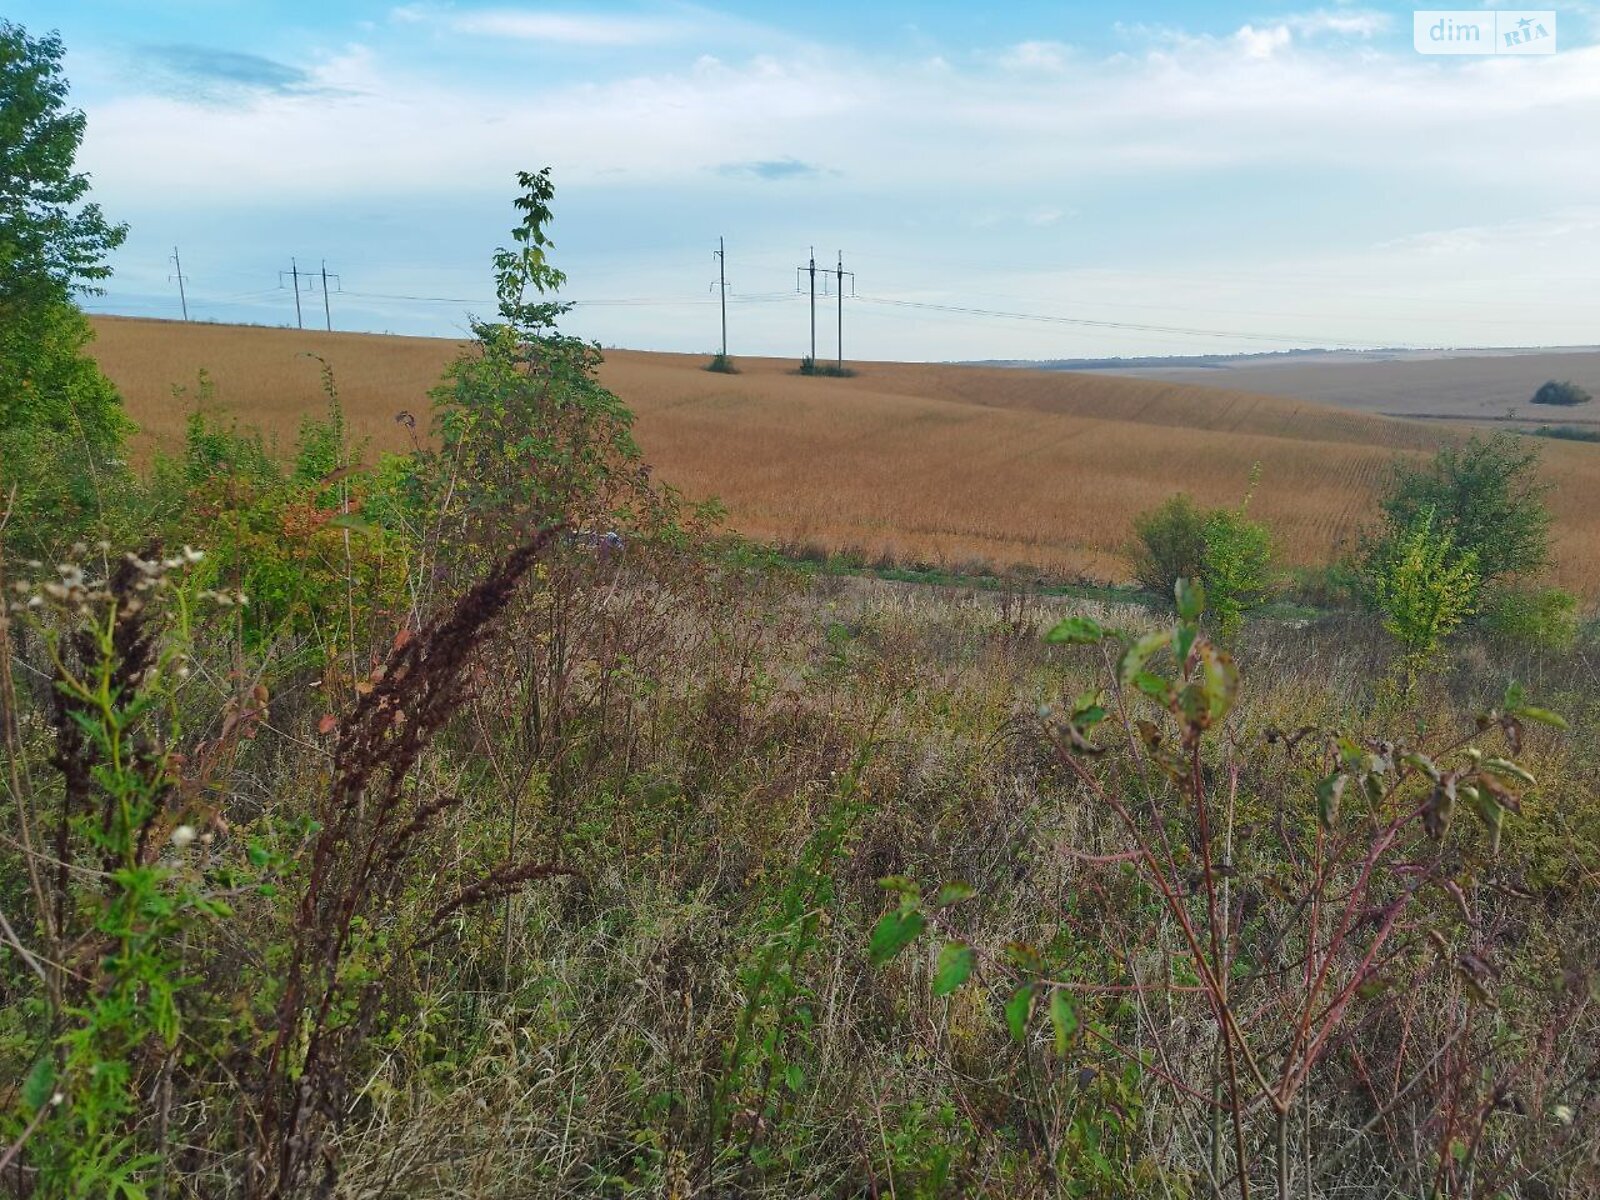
1248,962
1237,571
1485,494
722,364
1425,586
1222,547
62,432
1562,392
1545,617
1568,433
1171,545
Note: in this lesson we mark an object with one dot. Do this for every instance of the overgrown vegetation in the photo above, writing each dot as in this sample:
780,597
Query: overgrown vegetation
809,366
483,821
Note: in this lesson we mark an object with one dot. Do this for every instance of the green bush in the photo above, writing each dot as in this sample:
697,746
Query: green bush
1237,571
1170,545
62,433
1485,494
1228,552
1545,617
1425,586
1561,391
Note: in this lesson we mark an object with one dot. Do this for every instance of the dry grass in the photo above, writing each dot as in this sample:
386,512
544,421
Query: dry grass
937,463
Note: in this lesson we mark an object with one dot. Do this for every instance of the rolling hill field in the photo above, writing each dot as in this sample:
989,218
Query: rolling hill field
950,465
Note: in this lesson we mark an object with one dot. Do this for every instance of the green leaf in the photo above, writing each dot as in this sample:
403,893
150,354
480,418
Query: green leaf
1423,763
894,932
1191,595
1064,1019
1329,792
1131,664
1542,716
1221,679
1153,685
1506,769
40,1085
953,893
907,889
955,964
1076,631
353,523
794,1077
1018,1009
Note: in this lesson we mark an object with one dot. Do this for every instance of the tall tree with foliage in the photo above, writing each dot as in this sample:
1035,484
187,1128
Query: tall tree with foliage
61,421
523,417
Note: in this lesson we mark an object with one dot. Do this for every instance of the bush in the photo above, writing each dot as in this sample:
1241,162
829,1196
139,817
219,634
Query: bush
1238,566
1568,433
1544,617
1171,545
1425,586
1562,392
1485,494
1228,552
810,366
722,364
62,433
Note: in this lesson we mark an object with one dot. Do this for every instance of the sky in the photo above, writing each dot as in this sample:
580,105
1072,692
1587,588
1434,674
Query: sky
1027,180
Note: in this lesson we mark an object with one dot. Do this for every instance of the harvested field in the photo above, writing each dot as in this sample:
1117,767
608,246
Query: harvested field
942,464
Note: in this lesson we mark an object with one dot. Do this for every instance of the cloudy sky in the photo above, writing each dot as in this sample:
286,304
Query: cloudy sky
1021,180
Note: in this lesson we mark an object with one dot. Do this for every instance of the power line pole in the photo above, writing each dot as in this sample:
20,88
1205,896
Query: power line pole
177,268
841,272
326,311
722,287
294,273
810,270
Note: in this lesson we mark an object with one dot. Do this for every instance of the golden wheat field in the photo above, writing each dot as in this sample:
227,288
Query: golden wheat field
949,465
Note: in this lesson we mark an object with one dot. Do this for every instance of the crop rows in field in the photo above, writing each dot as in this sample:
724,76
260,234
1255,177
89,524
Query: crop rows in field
944,464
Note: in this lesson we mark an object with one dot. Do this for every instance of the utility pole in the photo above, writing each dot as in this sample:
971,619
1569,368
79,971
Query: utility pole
294,273
722,288
177,268
326,311
810,270
841,272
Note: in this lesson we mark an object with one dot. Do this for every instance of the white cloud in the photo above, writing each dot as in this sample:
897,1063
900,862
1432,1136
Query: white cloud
1360,23
1263,43
568,28
972,133
1035,56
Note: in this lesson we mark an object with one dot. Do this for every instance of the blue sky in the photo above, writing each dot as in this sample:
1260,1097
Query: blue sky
1131,179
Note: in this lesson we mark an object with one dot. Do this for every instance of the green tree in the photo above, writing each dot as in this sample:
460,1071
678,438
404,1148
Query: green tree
61,422
1485,495
523,418
52,243
1561,392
